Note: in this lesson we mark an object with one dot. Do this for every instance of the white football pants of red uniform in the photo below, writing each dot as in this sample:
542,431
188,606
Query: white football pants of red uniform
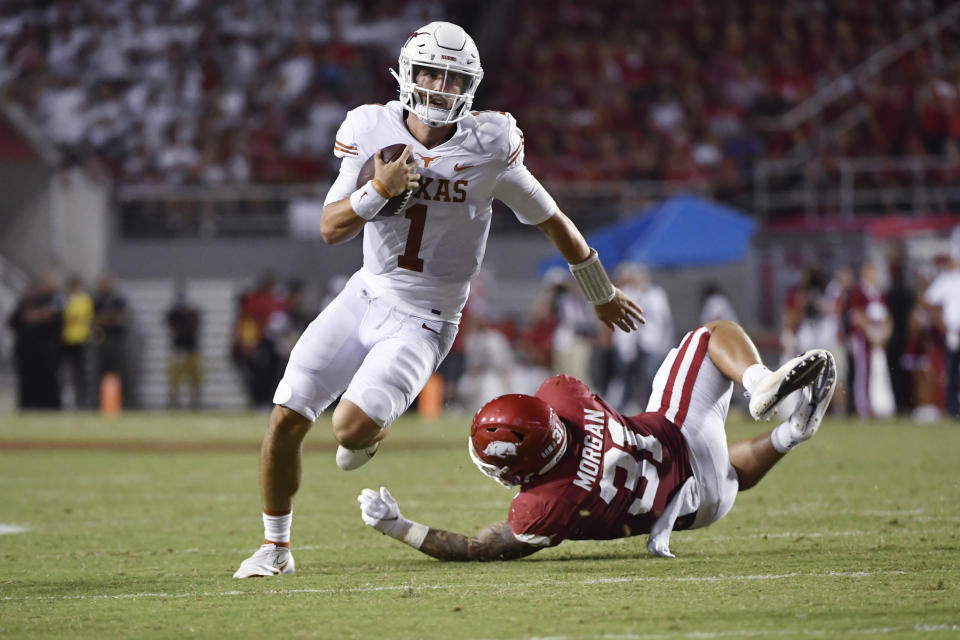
690,391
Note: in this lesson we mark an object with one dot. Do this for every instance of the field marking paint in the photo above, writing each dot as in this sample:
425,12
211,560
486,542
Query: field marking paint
808,534
7,529
450,587
892,513
919,628
694,541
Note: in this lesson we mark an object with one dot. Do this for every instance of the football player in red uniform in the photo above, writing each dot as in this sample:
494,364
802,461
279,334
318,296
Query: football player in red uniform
587,472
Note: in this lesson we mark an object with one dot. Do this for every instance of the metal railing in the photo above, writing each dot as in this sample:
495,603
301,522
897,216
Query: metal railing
844,187
849,186
265,210
208,212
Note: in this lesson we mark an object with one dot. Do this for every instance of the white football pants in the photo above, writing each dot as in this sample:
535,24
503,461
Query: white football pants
691,392
367,348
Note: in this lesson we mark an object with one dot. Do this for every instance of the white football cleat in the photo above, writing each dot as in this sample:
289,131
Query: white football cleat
795,374
806,419
350,459
269,560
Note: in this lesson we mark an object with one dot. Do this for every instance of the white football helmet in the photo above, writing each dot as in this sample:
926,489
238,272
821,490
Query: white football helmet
447,49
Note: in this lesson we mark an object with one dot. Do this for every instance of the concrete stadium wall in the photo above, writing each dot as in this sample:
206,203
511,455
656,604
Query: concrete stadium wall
53,219
512,262
25,229
80,214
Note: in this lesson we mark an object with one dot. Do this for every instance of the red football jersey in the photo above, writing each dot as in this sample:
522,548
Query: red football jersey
614,481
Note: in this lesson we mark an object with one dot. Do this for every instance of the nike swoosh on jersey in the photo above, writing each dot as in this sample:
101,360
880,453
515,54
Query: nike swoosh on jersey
457,167
424,326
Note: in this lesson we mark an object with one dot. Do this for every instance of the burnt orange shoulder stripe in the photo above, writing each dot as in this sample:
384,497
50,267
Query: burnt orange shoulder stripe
515,154
346,146
351,152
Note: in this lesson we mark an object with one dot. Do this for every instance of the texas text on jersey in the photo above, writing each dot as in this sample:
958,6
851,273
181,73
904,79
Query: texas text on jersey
615,480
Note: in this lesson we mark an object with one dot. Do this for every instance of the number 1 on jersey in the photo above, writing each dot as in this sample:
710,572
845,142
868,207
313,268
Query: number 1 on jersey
409,259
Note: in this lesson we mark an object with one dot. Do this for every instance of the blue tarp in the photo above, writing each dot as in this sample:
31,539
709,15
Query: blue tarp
682,231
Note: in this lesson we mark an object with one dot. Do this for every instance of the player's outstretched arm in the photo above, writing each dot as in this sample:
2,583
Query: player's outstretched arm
495,542
620,312
611,305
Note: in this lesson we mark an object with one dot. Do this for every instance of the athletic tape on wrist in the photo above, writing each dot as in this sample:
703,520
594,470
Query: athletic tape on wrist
593,279
367,201
415,534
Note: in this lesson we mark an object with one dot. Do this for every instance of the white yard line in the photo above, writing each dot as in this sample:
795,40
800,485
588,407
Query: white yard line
823,633
453,586
6,528
691,538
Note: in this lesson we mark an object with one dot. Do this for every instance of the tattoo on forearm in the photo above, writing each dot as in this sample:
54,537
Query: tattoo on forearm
495,542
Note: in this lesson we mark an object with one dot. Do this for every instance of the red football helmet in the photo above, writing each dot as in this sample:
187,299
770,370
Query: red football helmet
516,437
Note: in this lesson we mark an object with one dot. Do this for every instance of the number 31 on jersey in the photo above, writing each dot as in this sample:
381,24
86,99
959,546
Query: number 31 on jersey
619,458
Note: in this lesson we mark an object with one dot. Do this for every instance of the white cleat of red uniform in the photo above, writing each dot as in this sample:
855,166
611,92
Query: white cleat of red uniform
795,374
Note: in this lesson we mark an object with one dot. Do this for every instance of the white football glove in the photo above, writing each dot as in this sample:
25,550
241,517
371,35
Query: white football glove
380,511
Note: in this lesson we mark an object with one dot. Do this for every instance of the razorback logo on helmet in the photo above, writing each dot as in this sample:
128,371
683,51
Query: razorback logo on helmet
498,449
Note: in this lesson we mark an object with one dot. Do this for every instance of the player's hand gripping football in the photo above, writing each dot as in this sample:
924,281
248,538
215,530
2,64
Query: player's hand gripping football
396,177
380,511
620,312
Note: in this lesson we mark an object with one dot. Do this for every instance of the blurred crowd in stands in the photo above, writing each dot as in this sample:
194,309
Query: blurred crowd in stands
190,92
690,93
895,331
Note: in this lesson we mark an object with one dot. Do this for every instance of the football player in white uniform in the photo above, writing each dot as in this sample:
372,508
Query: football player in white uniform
379,341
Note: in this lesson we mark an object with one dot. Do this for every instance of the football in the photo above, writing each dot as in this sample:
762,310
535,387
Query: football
390,153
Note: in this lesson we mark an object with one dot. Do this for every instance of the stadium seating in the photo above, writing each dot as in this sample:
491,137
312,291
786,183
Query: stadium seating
689,94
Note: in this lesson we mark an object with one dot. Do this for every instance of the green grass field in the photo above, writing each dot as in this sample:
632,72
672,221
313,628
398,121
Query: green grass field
135,525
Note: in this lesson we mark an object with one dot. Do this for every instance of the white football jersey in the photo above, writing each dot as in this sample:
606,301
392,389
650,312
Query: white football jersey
425,256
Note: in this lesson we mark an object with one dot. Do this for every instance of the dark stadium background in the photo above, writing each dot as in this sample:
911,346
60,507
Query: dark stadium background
188,144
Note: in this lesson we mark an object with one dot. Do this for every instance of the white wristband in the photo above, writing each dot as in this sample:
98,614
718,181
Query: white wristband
412,533
593,279
367,201
416,534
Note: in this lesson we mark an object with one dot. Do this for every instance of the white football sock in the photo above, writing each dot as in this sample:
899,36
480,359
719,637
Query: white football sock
784,437
277,528
753,374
